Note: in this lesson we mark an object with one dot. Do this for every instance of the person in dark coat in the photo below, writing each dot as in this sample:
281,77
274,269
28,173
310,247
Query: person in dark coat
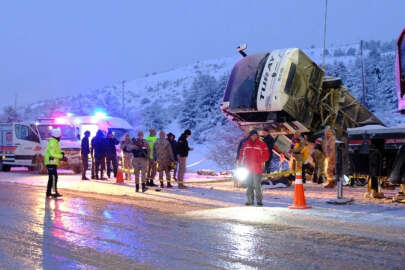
98,150
241,142
85,151
269,141
171,138
183,149
111,153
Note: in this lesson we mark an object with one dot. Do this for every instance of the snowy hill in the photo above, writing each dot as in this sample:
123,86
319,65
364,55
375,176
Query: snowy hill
189,97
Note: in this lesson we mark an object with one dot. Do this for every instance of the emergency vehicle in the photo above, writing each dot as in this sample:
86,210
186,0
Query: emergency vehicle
21,146
100,121
69,142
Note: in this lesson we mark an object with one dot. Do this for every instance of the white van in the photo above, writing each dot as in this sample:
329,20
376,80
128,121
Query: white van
69,142
118,126
20,145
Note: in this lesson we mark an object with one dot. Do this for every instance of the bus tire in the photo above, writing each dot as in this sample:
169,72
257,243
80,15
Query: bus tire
331,82
40,165
4,168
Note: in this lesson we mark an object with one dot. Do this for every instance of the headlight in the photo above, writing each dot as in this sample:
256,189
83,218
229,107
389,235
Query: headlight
241,174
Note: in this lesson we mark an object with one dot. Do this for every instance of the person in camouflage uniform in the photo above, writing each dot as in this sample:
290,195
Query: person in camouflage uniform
319,159
163,154
141,153
127,147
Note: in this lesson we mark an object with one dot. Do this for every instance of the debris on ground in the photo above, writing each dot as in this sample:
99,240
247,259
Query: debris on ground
207,172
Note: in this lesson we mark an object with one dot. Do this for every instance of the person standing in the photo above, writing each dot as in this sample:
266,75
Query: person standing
297,146
252,155
319,159
53,154
164,156
183,149
328,147
241,142
85,151
151,140
111,154
98,148
175,164
141,153
127,147
93,161
269,141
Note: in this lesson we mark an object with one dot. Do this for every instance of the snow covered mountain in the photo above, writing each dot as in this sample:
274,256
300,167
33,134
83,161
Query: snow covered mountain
189,97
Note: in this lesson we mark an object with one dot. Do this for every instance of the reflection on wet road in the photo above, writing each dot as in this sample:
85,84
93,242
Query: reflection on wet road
82,233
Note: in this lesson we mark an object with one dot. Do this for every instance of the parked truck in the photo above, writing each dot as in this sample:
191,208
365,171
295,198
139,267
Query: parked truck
388,141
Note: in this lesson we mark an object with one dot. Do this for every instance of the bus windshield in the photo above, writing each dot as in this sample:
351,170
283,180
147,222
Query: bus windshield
68,131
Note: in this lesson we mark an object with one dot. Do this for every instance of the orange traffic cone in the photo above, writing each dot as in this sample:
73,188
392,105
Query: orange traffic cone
299,197
120,177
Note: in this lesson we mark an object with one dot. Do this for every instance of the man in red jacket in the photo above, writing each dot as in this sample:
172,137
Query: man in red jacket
252,155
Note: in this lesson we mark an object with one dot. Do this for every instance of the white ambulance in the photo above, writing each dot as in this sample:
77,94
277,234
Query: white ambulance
69,142
20,145
100,121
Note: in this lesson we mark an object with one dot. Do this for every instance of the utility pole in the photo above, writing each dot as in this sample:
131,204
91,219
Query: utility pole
123,97
363,77
324,36
15,101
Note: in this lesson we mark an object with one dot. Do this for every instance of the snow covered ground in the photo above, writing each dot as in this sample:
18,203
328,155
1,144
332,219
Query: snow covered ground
219,191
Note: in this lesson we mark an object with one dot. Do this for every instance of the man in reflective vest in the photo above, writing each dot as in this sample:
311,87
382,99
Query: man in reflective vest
151,140
53,155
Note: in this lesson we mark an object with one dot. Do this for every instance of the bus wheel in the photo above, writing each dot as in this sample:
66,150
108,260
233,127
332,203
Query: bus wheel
4,168
40,165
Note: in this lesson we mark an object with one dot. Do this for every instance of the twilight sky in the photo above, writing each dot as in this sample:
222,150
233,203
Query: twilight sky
54,48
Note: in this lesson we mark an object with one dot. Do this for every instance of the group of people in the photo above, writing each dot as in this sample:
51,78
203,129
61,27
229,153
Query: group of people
144,156
255,154
103,153
313,160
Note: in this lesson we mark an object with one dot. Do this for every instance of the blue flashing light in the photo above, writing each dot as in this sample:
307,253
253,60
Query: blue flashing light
100,114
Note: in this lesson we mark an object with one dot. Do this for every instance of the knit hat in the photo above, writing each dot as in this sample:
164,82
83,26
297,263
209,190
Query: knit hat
252,132
187,132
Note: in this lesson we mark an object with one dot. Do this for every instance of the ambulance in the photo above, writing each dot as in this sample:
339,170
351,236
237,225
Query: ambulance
69,142
100,121
20,146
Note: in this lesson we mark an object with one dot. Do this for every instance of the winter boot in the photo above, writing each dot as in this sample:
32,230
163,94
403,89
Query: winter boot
161,184
144,188
137,187
169,185
330,184
151,184
182,186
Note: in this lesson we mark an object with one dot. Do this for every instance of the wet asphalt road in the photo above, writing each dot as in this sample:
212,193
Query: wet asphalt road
79,232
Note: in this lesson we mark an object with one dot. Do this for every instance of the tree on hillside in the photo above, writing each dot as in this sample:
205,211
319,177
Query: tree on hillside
10,114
